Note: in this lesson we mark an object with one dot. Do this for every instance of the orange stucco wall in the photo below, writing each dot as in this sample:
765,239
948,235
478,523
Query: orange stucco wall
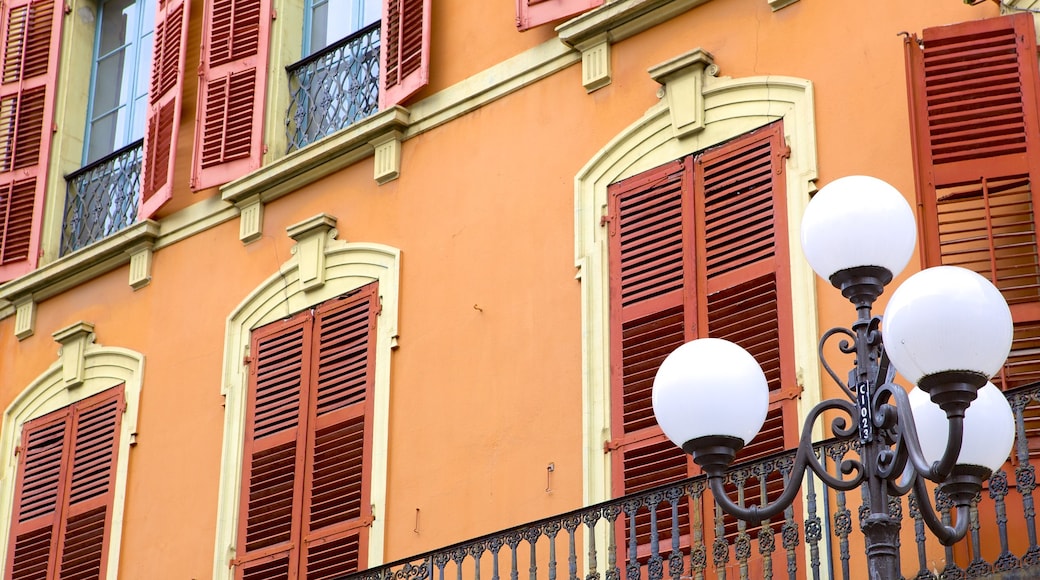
486,384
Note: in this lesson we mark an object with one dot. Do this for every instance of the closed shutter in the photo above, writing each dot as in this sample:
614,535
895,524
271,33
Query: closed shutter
337,507
32,32
531,13
232,82
743,264
64,491
268,527
164,105
404,50
305,504
973,91
652,313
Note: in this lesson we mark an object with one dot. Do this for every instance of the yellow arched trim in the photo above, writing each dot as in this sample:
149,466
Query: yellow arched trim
347,266
103,368
731,107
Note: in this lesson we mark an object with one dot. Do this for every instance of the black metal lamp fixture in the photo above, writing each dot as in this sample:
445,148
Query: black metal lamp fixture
947,329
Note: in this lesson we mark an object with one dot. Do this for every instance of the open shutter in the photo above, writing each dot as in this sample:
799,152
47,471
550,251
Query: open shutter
32,32
404,50
651,314
164,105
973,90
90,489
232,82
531,13
272,476
38,498
337,506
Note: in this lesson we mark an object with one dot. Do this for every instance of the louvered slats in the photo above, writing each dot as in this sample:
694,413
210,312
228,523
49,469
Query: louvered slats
83,546
974,97
229,118
989,227
333,559
235,30
646,343
41,476
32,551
343,368
747,315
269,504
404,53
16,213
338,474
738,208
279,378
94,452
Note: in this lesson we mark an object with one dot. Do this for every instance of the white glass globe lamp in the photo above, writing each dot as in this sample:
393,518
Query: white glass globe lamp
947,324
835,222
709,393
989,428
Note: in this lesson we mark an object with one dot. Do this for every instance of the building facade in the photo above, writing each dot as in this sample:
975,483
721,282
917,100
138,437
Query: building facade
301,288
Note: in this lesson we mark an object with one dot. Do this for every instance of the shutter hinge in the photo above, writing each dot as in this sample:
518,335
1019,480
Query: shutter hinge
783,153
68,8
611,445
367,520
265,149
274,13
604,220
379,305
17,450
246,359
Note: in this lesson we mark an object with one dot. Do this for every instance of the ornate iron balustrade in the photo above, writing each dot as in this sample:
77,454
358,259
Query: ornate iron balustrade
102,198
333,88
677,532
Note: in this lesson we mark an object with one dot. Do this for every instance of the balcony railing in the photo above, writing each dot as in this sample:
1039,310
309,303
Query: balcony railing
333,88
678,532
102,198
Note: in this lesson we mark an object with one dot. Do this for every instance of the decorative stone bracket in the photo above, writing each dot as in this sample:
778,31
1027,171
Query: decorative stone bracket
595,62
74,340
682,79
312,237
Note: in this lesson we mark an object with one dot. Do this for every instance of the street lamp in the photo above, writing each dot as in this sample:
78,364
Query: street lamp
947,329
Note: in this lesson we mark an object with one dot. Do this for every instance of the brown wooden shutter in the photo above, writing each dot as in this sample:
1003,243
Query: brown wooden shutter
232,83
531,13
32,33
651,314
973,90
35,528
272,481
305,505
404,50
743,271
164,105
337,505
91,486
64,491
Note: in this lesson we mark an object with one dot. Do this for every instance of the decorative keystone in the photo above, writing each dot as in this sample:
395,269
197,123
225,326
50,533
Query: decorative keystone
683,84
312,236
74,340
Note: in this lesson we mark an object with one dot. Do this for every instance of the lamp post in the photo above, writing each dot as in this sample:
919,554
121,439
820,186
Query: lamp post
947,329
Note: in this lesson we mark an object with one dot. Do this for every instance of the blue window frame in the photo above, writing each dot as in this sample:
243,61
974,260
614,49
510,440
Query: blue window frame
119,76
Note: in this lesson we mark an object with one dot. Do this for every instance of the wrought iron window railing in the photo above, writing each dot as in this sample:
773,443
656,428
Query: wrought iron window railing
677,531
333,88
102,198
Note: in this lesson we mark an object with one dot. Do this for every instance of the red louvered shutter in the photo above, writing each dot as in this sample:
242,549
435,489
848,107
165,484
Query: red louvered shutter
232,82
743,259
91,486
32,552
651,314
305,506
404,50
973,90
337,505
272,479
32,33
531,13
64,491
164,105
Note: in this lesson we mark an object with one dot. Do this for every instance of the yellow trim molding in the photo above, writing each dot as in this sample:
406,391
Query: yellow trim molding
92,368
320,268
730,107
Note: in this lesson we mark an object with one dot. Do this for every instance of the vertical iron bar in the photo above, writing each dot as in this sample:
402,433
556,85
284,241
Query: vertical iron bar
1025,477
719,548
742,545
923,573
998,489
654,568
698,553
813,528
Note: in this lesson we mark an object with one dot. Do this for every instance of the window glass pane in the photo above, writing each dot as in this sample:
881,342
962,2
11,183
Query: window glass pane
138,114
118,25
102,137
109,88
332,20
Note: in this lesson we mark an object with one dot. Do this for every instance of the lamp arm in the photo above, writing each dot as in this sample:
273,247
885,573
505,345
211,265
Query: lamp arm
845,347
910,444
947,535
805,457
